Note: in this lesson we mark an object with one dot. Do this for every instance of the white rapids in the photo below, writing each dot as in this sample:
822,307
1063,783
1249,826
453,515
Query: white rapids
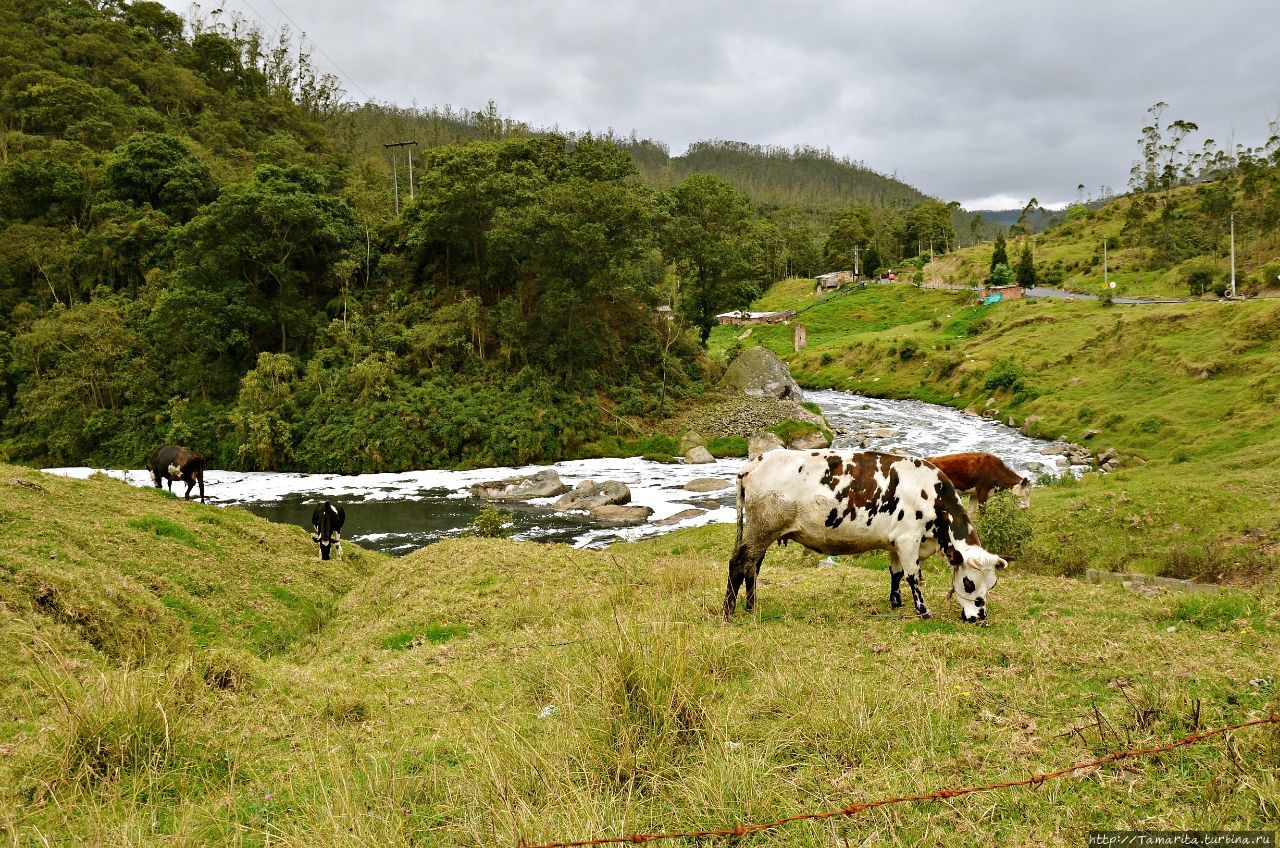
390,520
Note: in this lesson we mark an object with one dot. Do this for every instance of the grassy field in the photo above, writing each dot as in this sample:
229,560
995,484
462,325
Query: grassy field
484,692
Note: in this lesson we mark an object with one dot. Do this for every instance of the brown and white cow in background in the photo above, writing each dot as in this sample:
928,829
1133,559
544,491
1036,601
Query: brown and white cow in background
844,502
174,462
980,474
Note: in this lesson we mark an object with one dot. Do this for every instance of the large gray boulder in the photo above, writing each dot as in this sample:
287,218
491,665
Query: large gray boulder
544,484
618,514
763,442
809,441
699,456
689,441
759,373
589,494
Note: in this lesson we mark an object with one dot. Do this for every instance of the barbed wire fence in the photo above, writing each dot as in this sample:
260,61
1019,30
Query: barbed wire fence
939,795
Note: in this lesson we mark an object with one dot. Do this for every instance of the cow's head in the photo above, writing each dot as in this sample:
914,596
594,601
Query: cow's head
1023,493
972,579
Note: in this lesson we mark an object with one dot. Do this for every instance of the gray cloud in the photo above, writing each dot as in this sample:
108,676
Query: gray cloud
964,100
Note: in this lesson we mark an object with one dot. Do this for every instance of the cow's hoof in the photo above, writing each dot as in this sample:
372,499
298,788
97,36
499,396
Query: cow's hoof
925,615
895,601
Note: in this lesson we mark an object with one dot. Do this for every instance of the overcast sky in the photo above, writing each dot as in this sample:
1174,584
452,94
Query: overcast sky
989,103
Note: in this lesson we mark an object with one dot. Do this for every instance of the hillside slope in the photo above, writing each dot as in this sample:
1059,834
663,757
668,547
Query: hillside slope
490,691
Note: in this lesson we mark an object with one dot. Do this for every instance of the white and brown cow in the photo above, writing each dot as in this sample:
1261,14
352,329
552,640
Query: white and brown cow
844,502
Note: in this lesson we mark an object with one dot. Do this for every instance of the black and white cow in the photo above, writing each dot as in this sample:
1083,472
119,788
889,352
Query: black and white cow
174,462
326,527
843,502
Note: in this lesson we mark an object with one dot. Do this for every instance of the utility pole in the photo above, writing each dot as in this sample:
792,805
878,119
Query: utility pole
1104,263
395,172
856,248
1233,254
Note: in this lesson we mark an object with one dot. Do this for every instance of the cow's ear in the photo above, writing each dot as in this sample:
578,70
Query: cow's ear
1001,562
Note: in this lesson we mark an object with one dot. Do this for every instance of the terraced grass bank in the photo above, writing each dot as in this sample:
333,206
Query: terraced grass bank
484,692
1189,394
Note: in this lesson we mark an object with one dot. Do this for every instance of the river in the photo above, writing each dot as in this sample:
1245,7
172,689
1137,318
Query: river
401,512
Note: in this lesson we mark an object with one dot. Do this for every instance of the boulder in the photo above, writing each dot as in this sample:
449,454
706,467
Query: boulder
699,456
809,441
1088,434
759,373
1029,422
882,433
618,514
1053,450
589,494
763,442
682,515
544,484
689,441
706,484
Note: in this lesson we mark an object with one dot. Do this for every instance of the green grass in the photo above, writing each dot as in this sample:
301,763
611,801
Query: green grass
485,691
722,446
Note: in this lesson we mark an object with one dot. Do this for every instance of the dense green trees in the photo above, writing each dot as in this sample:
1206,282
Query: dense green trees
709,239
197,245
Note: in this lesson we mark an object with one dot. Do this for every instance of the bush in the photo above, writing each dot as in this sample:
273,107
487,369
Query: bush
978,327
909,350
491,523
1005,375
1003,526
1199,279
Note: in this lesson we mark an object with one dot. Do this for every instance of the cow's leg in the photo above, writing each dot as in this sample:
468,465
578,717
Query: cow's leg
752,573
743,566
973,502
337,540
895,580
738,565
909,555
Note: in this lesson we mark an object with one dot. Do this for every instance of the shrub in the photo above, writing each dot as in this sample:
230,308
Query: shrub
909,350
491,523
1003,526
979,327
1005,375
1150,424
826,359
1199,279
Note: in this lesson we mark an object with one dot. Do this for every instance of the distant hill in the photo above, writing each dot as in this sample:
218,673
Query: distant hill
1039,218
813,179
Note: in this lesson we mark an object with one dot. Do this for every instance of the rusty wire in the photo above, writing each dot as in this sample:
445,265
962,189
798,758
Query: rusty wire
855,809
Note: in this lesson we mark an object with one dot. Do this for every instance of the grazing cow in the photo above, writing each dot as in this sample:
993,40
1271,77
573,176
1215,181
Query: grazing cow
326,527
979,474
174,462
843,502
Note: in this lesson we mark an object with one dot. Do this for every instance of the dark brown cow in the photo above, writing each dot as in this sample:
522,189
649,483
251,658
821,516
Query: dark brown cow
980,474
174,462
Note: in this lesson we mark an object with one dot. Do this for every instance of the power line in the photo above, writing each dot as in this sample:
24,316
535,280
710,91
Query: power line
302,33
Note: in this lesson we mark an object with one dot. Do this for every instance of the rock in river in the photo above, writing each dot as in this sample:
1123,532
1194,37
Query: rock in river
544,484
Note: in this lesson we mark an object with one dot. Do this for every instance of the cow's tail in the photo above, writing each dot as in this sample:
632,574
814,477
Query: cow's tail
742,493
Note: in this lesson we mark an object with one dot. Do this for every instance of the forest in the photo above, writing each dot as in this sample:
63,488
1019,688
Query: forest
198,244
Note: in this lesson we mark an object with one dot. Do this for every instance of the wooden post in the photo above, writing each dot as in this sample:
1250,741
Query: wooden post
800,336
